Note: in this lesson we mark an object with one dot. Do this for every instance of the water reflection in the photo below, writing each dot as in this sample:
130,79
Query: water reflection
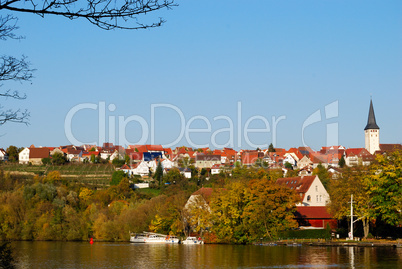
125,255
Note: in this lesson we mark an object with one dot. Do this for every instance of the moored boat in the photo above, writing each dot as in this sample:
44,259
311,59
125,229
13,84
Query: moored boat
154,238
191,240
137,238
171,239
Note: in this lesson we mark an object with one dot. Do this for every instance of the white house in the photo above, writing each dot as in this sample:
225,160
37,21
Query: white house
168,164
216,169
310,189
3,155
23,156
141,169
303,162
186,172
290,158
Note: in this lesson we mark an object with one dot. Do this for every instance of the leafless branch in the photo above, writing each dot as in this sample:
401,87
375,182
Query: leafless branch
14,116
14,69
18,70
106,14
8,24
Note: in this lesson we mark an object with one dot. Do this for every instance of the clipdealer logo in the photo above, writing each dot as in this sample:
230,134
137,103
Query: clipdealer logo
235,131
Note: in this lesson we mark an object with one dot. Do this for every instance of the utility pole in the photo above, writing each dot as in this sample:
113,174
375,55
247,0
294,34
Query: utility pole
351,218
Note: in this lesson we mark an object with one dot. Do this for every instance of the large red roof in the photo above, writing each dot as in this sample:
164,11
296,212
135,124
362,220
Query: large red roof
299,184
39,152
313,212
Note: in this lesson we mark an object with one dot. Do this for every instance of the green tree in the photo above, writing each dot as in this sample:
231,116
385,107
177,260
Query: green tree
323,174
288,165
117,176
342,162
271,148
340,190
159,173
176,178
384,183
118,163
12,152
93,158
58,158
46,161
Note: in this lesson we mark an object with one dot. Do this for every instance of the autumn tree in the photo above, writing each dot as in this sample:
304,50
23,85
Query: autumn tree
340,190
384,187
198,214
227,208
269,209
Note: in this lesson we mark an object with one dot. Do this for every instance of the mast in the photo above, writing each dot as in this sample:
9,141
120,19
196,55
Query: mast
351,218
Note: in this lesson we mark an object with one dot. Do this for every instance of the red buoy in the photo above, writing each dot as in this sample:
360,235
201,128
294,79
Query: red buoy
91,241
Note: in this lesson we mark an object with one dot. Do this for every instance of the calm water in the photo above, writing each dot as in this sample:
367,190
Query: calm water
125,255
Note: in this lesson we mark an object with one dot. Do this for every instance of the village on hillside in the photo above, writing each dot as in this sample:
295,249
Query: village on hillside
296,166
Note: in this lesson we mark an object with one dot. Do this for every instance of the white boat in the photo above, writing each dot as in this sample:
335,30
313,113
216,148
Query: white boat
191,240
171,239
137,238
153,238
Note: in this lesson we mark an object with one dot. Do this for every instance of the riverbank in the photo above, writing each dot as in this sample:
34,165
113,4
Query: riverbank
334,243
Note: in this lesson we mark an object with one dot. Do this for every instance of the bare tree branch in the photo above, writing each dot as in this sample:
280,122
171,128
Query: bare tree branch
8,24
106,14
17,70
14,116
13,69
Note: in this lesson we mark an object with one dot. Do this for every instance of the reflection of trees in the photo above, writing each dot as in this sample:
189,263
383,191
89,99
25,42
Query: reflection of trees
6,257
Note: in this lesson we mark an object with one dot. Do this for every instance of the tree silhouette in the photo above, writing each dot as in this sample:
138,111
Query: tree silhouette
105,14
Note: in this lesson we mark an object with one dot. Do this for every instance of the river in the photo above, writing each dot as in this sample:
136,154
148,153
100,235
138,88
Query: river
40,255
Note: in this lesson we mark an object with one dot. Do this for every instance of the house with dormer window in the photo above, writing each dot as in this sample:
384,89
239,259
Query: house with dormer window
311,210
310,189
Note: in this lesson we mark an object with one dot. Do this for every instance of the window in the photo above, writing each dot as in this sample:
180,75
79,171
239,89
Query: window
317,198
308,198
316,188
320,197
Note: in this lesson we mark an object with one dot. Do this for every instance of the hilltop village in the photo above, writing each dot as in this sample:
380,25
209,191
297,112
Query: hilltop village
298,177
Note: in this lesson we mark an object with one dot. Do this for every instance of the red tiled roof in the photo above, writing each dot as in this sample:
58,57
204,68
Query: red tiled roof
204,191
390,147
136,156
216,166
39,153
125,166
90,153
154,148
299,184
208,157
313,212
249,157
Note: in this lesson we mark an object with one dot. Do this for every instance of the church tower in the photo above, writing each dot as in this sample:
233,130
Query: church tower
372,132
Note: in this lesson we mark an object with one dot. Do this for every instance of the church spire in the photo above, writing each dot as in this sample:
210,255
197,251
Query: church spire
371,124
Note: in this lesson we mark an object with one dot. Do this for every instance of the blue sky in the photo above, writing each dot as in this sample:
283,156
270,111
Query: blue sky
211,62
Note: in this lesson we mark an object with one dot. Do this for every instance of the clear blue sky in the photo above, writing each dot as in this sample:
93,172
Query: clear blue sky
271,58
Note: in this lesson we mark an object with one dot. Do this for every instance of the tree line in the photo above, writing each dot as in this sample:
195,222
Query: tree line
244,206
